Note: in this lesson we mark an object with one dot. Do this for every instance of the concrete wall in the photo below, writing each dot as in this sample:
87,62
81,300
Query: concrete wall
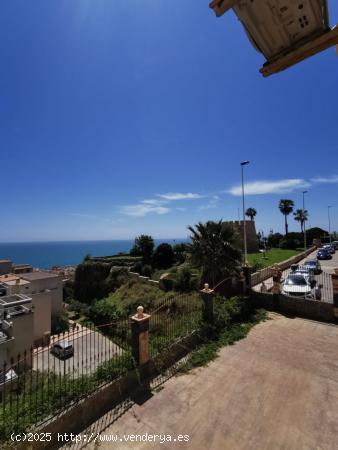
144,279
23,332
309,309
55,286
42,303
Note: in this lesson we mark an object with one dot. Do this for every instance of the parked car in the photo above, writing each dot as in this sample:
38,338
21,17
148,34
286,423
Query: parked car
307,273
323,253
298,286
62,349
335,244
330,248
313,264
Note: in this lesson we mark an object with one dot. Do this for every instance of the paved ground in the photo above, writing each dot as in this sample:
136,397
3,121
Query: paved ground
323,279
90,350
277,389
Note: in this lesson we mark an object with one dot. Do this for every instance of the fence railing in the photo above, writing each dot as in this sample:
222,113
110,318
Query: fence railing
43,381
46,380
178,316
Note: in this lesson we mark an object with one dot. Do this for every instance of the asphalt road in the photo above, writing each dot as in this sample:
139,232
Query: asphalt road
90,350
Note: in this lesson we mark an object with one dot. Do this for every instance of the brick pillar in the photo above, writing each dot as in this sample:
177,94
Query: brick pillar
140,336
208,304
335,293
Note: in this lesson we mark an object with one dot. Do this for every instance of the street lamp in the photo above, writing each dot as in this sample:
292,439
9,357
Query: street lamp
304,192
244,163
328,214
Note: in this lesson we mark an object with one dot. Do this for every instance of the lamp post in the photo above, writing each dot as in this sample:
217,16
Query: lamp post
329,217
244,163
304,192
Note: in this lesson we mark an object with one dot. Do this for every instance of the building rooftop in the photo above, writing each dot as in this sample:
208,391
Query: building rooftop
16,282
38,275
8,277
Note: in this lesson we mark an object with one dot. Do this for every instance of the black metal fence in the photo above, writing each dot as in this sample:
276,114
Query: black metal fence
178,316
318,284
46,380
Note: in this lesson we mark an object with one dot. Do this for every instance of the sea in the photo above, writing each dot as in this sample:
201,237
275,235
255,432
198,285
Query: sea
45,255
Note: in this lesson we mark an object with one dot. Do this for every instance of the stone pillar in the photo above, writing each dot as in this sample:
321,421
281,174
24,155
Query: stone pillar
208,304
335,293
140,336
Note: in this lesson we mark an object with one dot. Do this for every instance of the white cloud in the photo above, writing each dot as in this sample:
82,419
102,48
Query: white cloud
270,187
171,196
143,209
154,202
326,180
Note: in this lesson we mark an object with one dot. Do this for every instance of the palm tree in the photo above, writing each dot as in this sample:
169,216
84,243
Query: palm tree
251,212
301,216
212,249
286,208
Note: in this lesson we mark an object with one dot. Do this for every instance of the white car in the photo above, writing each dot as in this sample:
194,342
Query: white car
297,285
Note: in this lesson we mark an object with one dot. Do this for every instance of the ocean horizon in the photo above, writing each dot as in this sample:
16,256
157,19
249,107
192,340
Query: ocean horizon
46,254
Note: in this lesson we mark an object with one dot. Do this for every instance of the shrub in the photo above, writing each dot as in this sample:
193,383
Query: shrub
274,240
290,243
117,276
163,256
137,267
79,307
166,284
184,282
59,324
90,281
147,271
103,311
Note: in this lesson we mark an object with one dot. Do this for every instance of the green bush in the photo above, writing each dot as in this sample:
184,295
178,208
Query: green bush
184,281
137,267
166,284
103,311
147,271
163,256
79,307
289,242
59,324
91,281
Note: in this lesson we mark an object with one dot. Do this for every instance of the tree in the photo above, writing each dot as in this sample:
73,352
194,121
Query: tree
212,249
301,216
251,212
180,251
143,246
286,208
163,256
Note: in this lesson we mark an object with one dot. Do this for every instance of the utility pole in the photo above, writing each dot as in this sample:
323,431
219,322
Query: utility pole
244,163
304,192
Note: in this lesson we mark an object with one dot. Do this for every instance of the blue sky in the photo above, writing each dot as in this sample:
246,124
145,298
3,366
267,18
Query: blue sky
121,118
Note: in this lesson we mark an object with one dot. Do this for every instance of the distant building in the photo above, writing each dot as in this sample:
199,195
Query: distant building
22,268
5,266
40,282
251,235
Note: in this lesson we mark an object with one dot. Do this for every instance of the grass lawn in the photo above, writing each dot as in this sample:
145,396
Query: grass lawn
273,256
